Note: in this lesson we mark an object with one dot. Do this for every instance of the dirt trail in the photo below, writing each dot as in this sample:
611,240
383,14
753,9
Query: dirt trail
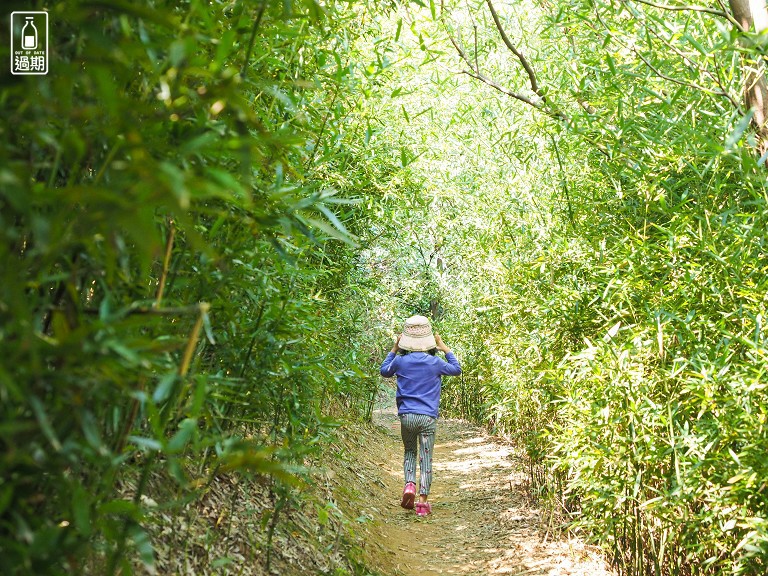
482,523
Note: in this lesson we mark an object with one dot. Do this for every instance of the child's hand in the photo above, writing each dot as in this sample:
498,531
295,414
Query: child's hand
396,347
440,344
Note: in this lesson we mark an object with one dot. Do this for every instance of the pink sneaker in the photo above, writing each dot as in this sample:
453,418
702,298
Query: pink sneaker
423,509
409,495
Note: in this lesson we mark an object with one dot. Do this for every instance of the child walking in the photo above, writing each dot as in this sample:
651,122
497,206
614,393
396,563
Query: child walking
413,359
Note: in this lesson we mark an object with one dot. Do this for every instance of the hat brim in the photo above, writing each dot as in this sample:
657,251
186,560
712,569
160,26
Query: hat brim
417,343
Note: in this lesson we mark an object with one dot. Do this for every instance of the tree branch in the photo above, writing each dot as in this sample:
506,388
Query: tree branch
495,85
721,13
731,17
541,104
658,72
515,51
674,8
680,82
500,88
695,66
461,52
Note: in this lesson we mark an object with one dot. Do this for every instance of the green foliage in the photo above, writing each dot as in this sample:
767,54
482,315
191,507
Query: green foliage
602,277
212,217
180,207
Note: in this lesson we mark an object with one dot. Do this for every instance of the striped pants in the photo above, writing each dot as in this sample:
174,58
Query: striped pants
418,429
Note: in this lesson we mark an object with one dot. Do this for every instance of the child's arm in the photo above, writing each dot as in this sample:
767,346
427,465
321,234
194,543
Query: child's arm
388,367
452,366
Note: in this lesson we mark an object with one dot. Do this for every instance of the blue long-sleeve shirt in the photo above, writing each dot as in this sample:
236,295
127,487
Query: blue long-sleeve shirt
418,380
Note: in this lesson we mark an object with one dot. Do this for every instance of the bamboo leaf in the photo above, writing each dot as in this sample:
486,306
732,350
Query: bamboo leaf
738,131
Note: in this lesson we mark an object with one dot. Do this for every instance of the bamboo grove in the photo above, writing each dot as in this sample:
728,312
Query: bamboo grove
214,216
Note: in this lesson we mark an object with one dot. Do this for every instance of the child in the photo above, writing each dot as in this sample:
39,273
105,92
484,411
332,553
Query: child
418,372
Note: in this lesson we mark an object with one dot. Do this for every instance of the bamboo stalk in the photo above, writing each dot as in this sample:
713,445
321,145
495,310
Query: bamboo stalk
129,420
194,336
166,262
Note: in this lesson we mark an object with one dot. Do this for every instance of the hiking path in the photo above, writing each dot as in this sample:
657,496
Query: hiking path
483,522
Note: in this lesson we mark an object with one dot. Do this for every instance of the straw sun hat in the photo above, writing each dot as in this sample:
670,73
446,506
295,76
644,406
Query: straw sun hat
417,335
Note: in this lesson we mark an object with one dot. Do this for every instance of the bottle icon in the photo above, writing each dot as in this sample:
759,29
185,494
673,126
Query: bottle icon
29,35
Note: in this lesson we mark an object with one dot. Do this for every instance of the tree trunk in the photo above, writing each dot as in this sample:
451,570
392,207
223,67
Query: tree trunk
753,17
